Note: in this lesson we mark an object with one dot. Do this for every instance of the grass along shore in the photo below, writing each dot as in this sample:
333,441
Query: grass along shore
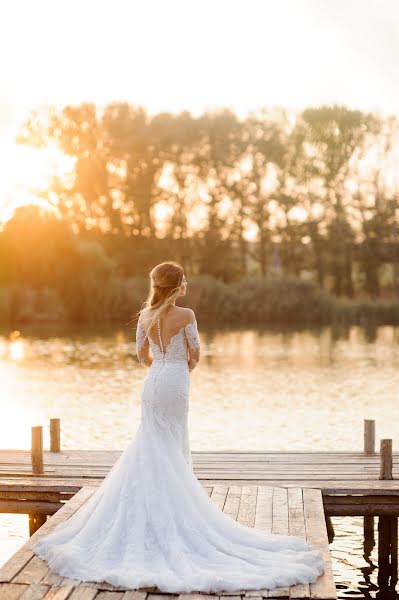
249,301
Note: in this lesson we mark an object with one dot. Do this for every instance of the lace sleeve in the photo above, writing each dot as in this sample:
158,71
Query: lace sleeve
140,337
192,336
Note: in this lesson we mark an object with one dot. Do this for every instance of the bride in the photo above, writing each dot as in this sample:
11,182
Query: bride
150,522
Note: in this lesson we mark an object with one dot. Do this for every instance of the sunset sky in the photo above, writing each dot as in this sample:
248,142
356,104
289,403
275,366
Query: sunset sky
189,54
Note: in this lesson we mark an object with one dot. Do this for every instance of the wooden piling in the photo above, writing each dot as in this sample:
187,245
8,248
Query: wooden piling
387,553
37,450
55,435
386,459
36,520
369,436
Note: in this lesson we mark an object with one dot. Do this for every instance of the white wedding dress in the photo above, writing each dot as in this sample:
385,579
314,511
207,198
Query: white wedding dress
151,523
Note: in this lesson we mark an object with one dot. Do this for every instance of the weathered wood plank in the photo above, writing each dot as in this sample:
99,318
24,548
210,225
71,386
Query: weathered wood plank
232,503
247,508
32,572
58,593
219,494
263,521
12,591
316,533
85,592
160,596
106,595
280,525
28,507
136,595
264,509
195,596
69,486
296,526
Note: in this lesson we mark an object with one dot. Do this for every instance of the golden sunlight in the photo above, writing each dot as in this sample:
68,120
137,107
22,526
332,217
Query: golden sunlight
15,427
17,350
26,171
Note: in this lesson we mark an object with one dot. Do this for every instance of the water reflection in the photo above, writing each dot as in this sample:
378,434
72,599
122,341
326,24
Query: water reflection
364,553
277,389
272,389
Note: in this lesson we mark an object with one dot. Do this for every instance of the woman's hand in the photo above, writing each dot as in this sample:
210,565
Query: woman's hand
192,363
147,361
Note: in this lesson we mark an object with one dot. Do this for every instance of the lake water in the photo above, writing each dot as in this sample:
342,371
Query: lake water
274,389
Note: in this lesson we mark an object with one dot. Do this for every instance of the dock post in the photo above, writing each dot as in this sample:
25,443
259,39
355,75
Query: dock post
55,435
369,436
36,520
37,450
368,536
386,459
387,552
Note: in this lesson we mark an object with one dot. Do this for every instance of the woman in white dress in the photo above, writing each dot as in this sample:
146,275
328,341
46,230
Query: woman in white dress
150,522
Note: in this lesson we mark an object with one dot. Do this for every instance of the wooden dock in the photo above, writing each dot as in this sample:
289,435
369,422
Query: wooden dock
281,492
349,481
296,511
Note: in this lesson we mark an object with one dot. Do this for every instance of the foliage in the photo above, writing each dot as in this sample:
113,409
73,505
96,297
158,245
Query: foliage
314,192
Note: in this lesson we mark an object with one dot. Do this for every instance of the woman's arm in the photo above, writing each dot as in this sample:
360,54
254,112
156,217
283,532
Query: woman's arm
194,346
142,345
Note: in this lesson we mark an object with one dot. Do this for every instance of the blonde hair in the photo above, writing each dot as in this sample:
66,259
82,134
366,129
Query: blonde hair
165,282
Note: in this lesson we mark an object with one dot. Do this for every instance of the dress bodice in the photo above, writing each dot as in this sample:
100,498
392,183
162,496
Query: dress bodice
176,350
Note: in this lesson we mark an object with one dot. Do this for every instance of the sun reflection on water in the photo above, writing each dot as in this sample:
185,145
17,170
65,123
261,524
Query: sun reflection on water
16,346
18,414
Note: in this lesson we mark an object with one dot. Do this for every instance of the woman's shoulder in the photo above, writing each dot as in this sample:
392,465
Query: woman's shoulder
186,313
144,317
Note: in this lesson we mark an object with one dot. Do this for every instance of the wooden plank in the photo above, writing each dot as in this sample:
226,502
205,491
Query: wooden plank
85,592
263,521
280,525
105,459
296,526
247,508
232,503
316,533
160,596
100,456
28,507
35,591
106,595
219,494
58,593
29,495
32,572
195,596
369,487
136,595
101,471
11,591
264,509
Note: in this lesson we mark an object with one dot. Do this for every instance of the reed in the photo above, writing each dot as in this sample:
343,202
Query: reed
249,301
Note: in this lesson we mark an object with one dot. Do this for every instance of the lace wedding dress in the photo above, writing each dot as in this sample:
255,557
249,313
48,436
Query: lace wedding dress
151,523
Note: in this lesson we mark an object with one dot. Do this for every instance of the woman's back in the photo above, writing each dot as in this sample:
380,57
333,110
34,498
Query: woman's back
173,332
171,321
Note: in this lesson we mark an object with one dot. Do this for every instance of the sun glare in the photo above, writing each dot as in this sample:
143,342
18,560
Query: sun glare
17,350
15,427
25,171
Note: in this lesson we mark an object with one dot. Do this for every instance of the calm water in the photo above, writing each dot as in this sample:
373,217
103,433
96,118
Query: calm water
271,389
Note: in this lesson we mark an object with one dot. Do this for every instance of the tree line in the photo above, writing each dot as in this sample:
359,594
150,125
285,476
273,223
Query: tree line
312,195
